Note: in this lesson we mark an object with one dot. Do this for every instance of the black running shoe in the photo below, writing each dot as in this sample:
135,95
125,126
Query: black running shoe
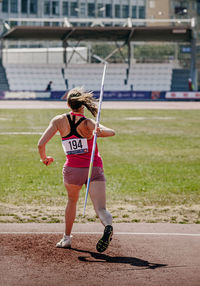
103,243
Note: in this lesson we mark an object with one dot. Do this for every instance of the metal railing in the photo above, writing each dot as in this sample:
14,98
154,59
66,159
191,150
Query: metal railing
126,22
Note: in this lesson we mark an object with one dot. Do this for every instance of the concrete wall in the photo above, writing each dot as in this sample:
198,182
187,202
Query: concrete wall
158,10
43,56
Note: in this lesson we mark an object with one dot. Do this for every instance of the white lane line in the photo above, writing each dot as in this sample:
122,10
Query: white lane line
115,233
21,133
150,118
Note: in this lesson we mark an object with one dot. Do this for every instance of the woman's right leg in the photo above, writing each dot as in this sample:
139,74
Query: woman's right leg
70,211
98,197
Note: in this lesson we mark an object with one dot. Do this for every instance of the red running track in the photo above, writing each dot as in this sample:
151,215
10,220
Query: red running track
139,254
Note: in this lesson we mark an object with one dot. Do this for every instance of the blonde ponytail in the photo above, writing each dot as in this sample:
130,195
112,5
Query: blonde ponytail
77,97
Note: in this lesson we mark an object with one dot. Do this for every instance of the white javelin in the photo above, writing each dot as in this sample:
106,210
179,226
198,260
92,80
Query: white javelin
95,137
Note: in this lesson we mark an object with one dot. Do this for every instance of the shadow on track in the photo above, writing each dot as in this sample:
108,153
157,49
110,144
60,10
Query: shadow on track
133,261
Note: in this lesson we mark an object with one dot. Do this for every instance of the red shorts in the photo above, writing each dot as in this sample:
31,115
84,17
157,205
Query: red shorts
78,176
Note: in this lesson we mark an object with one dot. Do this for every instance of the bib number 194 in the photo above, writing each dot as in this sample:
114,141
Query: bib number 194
75,146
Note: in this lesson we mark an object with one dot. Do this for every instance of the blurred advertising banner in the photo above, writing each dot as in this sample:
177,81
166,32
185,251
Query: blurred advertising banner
182,95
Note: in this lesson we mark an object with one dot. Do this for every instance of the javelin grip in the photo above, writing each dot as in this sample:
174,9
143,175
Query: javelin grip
95,138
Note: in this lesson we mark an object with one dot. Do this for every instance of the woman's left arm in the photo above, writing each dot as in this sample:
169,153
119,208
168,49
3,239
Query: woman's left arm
46,136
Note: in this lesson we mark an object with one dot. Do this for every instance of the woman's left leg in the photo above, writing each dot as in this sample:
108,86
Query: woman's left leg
70,213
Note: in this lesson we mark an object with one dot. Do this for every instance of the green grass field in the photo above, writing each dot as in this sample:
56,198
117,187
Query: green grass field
153,162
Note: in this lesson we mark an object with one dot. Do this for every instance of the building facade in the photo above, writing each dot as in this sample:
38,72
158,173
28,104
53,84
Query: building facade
17,12
12,9
158,10
174,9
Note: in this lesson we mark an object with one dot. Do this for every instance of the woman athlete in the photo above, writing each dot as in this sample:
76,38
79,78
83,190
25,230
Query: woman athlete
76,132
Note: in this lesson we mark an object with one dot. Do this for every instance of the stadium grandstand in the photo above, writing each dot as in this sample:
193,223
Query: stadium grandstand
151,46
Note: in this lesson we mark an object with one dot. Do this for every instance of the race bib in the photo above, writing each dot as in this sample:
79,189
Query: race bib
75,146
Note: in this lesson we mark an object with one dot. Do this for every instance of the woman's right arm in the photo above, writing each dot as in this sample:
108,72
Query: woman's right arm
102,131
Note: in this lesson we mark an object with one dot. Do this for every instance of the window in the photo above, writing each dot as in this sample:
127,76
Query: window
134,12
181,7
13,6
55,8
5,6
180,10
100,10
47,8
74,9
65,9
125,11
33,6
108,10
198,7
47,24
91,9
55,24
141,12
13,24
193,5
83,9
24,6
117,11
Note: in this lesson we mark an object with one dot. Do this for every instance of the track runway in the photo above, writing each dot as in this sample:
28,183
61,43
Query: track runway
139,254
166,105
